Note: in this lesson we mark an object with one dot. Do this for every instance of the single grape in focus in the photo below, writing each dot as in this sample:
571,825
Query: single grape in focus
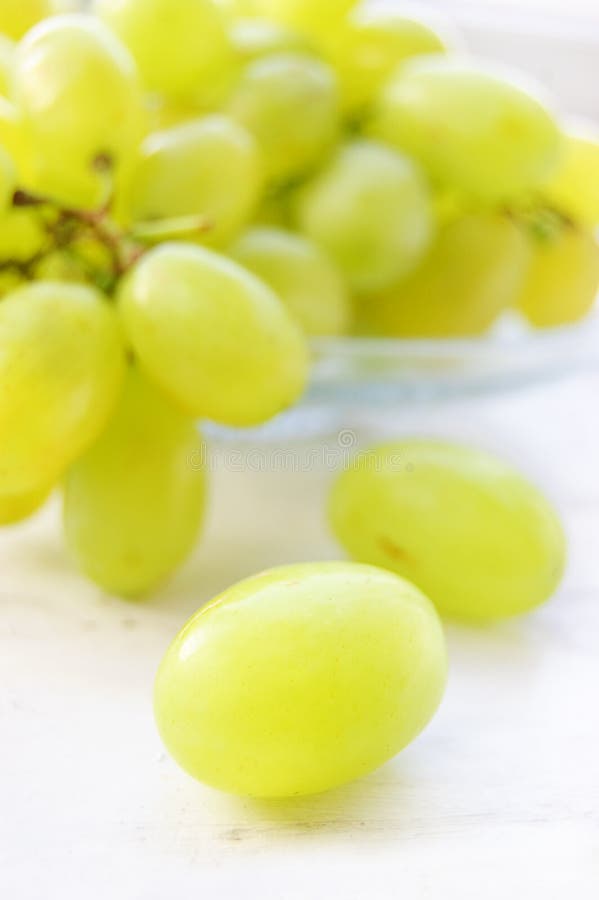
301,679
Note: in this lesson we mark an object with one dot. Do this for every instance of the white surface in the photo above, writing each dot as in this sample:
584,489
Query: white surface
499,798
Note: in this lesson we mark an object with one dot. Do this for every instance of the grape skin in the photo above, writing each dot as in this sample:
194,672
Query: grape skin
69,122
290,103
301,679
370,209
210,166
61,367
312,17
370,47
7,53
134,503
18,16
8,181
255,38
474,271
562,283
17,508
301,275
574,190
214,337
181,46
472,533
471,129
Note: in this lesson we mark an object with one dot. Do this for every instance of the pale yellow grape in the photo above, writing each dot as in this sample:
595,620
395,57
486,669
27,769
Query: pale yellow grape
181,46
134,503
61,367
469,127
214,337
210,167
21,238
301,274
562,284
290,103
18,507
77,88
370,209
575,188
18,16
8,181
474,271
255,38
469,530
301,679
370,47
7,54
11,136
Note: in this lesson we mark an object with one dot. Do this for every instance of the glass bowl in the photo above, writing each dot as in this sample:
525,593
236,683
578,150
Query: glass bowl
353,377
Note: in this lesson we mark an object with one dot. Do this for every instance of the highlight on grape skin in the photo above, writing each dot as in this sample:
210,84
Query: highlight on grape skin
473,534
301,679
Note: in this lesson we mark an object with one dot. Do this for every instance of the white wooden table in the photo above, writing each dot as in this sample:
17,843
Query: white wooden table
498,798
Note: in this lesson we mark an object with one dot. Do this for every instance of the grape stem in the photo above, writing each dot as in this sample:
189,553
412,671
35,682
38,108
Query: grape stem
67,227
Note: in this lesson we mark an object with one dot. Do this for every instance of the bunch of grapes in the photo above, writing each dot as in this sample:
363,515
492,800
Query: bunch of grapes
191,189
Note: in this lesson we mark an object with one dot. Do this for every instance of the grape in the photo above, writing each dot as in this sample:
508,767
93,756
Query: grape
301,679
17,508
180,46
290,103
216,339
77,88
370,209
255,38
10,130
474,271
208,166
563,280
312,17
134,503
469,128
61,365
18,16
301,275
7,53
575,187
471,532
369,49
8,181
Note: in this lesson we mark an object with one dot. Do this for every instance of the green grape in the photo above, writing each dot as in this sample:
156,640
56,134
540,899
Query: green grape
77,88
15,508
370,47
301,275
290,102
134,503
8,181
473,272
575,187
210,167
470,128
61,366
371,210
312,17
7,53
255,38
471,532
181,46
215,338
21,238
563,280
11,138
18,16
301,679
